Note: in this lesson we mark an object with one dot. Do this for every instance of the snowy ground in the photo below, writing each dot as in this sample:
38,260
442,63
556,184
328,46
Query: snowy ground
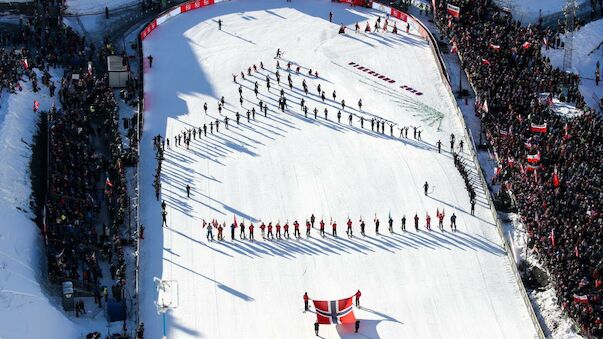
285,167
86,7
528,11
588,50
23,294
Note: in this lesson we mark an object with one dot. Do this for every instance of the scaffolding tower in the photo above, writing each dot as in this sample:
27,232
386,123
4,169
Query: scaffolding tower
570,18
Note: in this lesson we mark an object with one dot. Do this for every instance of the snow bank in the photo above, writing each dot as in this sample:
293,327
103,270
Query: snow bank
96,6
588,51
528,11
25,308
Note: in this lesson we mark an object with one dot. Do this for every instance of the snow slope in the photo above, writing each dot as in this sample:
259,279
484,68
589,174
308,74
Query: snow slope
588,50
285,167
22,297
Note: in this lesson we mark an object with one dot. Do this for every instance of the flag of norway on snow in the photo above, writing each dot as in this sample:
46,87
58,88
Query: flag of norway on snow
334,311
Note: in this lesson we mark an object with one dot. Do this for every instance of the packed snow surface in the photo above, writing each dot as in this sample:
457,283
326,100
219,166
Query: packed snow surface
588,51
95,6
528,11
284,167
24,296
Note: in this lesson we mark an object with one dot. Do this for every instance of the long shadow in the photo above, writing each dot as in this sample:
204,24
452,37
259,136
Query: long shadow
221,286
196,241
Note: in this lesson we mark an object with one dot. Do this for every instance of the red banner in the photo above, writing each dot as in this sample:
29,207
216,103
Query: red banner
150,27
355,2
399,15
191,5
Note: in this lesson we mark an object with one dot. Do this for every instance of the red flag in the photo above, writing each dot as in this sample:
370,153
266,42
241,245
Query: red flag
455,11
485,62
108,182
36,105
453,49
526,45
235,221
581,299
334,311
538,128
552,237
25,64
555,178
494,47
576,252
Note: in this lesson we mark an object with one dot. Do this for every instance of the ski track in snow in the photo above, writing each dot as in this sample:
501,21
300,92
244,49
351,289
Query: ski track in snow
286,167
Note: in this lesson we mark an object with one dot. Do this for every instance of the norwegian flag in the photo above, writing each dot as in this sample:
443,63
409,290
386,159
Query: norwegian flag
538,128
581,299
36,105
494,47
526,45
485,62
334,311
534,157
25,64
453,10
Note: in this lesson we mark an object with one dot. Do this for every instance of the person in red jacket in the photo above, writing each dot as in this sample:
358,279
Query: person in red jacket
349,230
358,294
306,298
322,228
308,226
270,235
251,227
441,221
334,225
263,228
286,228
296,229
278,230
428,221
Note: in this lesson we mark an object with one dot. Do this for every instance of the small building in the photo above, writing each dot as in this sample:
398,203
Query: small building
118,71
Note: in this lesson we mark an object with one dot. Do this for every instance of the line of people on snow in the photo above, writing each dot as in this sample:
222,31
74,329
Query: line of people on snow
276,231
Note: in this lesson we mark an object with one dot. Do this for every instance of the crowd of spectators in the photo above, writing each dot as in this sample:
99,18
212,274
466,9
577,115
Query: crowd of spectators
558,196
84,221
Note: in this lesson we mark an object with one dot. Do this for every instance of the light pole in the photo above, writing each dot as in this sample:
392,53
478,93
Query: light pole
167,298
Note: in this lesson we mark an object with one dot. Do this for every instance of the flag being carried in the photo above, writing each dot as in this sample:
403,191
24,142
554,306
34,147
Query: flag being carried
334,311
453,10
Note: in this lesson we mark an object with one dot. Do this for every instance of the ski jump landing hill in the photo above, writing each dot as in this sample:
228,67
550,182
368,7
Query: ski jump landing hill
285,167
